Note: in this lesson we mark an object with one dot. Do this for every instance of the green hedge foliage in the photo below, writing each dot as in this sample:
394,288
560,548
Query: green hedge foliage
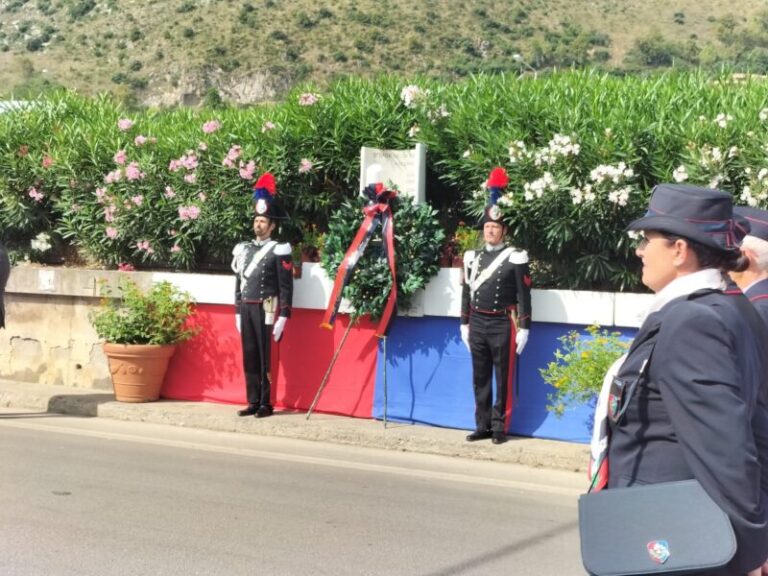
583,150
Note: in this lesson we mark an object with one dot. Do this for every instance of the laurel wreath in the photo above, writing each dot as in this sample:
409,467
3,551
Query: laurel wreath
418,238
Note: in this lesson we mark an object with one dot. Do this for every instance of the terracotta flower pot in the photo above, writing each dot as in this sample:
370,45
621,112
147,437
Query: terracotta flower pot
138,370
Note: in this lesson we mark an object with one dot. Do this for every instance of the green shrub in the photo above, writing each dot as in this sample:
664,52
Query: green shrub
571,221
580,364
81,8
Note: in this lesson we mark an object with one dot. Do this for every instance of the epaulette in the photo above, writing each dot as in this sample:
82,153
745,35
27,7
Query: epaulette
518,256
239,247
282,249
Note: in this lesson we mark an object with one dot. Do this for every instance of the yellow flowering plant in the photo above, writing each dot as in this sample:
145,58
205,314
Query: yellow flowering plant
580,364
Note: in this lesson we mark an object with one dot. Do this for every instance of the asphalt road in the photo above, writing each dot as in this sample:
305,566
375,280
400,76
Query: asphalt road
82,496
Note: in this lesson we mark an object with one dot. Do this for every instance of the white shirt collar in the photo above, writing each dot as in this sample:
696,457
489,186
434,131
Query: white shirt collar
494,248
708,278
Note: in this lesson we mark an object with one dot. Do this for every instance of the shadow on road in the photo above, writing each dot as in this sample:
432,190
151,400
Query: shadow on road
78,404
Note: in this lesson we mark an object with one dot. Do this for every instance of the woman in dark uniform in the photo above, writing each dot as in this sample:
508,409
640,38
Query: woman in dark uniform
689,401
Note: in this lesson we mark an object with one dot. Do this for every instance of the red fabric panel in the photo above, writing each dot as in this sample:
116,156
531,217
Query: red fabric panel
306,352
209,367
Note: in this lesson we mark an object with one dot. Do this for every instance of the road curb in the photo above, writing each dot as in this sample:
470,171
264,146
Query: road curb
402,437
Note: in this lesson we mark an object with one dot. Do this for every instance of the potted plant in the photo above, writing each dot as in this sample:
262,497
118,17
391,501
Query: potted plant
141,329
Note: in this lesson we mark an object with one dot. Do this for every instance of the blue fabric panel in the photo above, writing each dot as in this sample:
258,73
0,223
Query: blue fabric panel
429,380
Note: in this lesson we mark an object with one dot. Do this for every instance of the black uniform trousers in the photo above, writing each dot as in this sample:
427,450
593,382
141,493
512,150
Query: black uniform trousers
490,342
255,336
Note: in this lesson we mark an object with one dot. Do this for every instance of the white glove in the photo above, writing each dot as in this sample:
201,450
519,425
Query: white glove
237,322
278,329
521,338
464,329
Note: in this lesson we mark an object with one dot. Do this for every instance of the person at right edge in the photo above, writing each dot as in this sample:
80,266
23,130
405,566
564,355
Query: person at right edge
689,400
754,280
495,317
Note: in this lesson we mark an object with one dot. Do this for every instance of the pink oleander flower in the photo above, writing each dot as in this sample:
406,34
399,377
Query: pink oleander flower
211,126
247,170
114,176
143,245
111,232
305,166
120,157
36,195
169,192
227,163
202,197
100,193
125,267
234,152
189,160
109,213
189,212
125,124
267,126
132,172
138,199
175,248
174,165
308,99
140,140
190,178
47,161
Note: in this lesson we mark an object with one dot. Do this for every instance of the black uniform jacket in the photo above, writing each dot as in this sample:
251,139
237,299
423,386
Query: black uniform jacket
700,411
758,295
272,276
508,286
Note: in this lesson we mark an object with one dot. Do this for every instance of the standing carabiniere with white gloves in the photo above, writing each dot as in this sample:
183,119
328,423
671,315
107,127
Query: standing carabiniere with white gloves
263,291
495,317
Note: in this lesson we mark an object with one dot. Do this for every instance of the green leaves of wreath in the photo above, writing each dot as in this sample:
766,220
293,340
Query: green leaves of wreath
418,237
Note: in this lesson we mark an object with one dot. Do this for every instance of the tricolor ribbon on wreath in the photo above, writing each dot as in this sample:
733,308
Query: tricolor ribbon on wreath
377,212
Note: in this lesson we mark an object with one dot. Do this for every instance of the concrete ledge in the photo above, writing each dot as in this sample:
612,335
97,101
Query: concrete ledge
320,427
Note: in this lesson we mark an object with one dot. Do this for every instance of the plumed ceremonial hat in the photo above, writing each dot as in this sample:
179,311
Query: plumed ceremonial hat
264,193
703,215
496,182
757,220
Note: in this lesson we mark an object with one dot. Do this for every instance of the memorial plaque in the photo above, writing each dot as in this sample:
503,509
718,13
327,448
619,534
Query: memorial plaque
404,168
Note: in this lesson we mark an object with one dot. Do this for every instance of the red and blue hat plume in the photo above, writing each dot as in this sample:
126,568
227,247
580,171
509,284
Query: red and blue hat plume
495,184
264,192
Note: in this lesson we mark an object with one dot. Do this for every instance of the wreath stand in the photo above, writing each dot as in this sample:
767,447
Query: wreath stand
333,362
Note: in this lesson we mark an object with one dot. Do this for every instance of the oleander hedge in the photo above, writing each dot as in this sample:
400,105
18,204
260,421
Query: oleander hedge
171,188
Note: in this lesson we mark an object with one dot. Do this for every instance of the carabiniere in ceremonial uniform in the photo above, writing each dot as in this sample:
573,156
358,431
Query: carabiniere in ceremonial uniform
263,290
496,294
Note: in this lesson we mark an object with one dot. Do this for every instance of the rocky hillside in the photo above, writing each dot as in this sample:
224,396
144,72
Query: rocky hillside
166,52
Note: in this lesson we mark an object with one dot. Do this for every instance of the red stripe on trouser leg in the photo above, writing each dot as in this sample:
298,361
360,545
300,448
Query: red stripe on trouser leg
511,377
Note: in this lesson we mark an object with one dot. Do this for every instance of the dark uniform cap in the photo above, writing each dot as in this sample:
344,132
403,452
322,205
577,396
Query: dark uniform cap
757,219
703,215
